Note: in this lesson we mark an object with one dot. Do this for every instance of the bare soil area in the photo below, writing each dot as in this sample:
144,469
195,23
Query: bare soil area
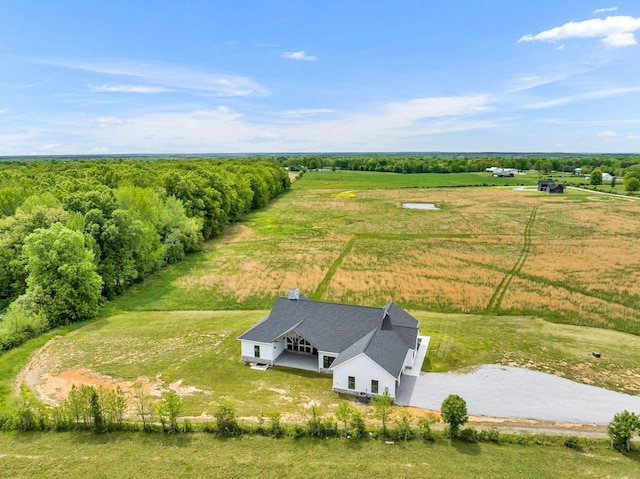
51,385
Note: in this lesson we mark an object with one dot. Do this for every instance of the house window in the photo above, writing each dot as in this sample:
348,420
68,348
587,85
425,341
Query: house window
352,382
256,351
374,386
327,361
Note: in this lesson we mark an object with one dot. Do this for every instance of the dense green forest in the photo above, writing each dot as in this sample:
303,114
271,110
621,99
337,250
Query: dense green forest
616,165
74,232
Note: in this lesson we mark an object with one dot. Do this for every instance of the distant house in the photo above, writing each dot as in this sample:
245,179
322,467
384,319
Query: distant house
504,172
367,349
607,177
550,186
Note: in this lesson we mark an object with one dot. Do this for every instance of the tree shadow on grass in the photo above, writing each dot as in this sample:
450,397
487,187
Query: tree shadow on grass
470,449
152,438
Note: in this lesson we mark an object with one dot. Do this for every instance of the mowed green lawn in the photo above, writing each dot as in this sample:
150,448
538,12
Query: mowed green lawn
63,455
201,350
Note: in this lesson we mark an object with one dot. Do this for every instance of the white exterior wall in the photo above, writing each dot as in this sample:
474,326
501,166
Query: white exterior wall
268,351
321,355
364,370
409,358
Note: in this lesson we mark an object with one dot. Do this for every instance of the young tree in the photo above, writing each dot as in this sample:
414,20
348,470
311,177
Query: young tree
596,178
143,407
357,423
96,412
343,414
454,413
170,408
383,405
621,430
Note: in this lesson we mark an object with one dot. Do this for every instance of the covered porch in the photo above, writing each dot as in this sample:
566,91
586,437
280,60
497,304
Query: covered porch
291,359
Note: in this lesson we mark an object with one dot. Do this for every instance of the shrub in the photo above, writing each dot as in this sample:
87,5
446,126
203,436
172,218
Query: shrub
424,424
226,421
490,435
296,431
276,429
357,424
470,434
572,442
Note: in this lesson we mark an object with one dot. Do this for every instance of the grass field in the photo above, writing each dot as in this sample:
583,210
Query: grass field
508,259
569,258
197,353
203,456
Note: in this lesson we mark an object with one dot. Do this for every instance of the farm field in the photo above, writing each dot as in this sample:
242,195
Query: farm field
204,456
482,274
569,258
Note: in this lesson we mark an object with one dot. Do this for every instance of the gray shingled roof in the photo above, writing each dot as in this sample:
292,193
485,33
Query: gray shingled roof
343,329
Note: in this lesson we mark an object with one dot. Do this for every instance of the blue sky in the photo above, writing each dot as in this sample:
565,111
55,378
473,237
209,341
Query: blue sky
94,77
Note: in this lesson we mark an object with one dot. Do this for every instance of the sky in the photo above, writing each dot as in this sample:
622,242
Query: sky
276,76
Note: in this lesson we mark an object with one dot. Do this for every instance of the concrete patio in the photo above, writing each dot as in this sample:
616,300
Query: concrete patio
290,359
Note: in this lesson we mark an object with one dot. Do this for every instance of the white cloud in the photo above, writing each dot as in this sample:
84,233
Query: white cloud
107,121
585,96
528,82
632,137
4,110
608,134
603,10
170,76
303,112
397,126
131,89
614,31
301,55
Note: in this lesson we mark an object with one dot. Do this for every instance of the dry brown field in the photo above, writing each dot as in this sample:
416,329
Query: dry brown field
572,257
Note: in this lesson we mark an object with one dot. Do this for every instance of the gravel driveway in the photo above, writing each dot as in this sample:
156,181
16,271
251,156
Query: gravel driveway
508,392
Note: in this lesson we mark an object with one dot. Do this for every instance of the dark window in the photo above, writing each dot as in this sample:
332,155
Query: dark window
256,351
327,361
374,386
352,382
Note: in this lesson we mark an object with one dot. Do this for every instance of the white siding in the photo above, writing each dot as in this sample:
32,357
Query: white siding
268,351
321,355
364,370
409,358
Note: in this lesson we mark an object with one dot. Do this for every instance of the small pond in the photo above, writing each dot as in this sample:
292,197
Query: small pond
420,206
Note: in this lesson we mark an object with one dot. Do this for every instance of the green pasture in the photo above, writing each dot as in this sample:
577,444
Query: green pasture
371,180
131,455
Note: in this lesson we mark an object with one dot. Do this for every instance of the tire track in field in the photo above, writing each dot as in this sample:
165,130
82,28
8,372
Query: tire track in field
324,284
496,299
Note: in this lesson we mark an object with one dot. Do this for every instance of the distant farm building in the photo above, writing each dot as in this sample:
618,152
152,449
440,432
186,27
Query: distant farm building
550,186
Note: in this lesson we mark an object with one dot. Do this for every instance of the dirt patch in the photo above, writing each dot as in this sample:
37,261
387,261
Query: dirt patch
51,386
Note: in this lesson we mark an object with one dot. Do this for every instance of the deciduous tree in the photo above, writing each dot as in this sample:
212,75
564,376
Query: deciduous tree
62,275
454,413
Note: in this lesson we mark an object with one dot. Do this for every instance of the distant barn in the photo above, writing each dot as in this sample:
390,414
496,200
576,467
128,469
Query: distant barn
550,186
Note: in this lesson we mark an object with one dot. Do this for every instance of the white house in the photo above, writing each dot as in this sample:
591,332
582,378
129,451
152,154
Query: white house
367,349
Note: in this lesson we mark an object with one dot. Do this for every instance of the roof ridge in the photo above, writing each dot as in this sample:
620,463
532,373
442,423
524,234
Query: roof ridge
338,304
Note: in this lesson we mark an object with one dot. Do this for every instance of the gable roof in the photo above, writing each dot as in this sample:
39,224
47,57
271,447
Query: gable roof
383,333
384,347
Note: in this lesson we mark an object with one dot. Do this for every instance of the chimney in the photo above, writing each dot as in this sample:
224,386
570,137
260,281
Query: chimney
294,294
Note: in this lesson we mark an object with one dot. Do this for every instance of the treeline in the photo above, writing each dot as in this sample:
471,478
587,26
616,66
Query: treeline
75,232
454,163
